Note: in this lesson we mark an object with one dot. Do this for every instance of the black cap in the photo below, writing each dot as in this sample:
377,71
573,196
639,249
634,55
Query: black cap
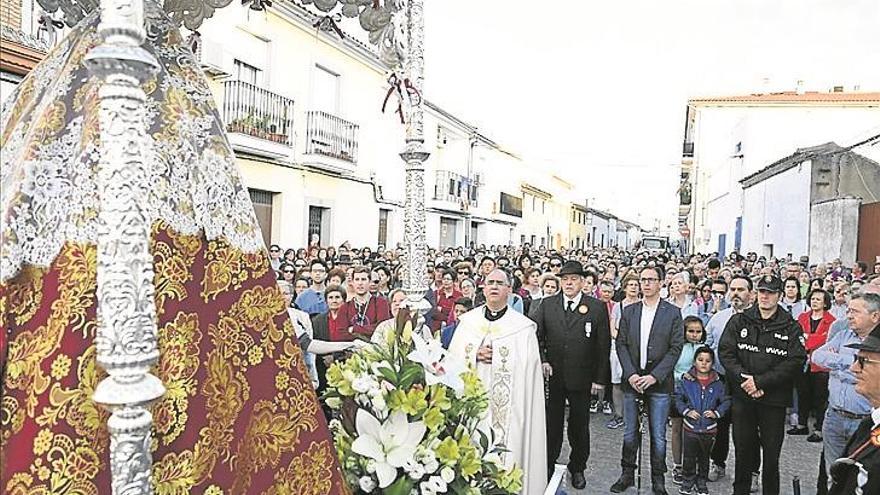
770,283
871,342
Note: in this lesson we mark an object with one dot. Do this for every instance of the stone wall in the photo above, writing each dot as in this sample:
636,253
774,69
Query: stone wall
834,230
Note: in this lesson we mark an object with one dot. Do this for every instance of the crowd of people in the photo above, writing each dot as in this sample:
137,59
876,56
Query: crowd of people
699,345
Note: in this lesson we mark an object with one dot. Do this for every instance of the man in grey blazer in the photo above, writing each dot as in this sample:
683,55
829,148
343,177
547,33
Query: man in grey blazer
649,341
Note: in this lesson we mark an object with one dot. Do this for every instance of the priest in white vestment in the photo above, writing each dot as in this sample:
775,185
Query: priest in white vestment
502,346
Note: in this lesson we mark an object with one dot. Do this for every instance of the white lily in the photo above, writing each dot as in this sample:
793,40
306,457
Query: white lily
440,367
391,444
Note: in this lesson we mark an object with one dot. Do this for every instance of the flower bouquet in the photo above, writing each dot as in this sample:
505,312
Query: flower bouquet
409,421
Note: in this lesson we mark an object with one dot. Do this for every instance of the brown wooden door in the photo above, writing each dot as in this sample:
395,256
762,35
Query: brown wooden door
869,233
262,201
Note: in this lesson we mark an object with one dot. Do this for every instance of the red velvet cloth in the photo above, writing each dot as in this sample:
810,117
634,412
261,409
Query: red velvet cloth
239,415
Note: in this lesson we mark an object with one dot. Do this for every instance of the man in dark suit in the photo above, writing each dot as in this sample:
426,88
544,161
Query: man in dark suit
649,341
575,341
858,471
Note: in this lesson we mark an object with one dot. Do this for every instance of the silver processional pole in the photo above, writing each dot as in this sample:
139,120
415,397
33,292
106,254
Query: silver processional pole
414,155
126,338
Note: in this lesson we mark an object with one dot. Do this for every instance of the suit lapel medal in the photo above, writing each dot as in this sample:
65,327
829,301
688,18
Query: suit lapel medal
588,326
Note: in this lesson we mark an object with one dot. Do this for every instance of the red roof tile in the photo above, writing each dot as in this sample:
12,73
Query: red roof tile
793,97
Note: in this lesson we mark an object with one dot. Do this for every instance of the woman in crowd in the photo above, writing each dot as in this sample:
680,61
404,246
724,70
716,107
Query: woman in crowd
445,297
290,255
791,298
468,288
287,272
531,284
336,277
300,286
812,386
330,327
630,286
384,280
678,296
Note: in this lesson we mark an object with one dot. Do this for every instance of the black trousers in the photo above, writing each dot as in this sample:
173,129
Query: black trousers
721,447
812,391
695,450
578,425
757,426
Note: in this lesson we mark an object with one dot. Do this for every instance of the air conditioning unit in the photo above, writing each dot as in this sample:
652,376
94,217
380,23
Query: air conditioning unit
211,58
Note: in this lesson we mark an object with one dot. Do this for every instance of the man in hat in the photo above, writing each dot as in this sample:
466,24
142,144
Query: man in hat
501,346
650,336
762,350
858,471
575,339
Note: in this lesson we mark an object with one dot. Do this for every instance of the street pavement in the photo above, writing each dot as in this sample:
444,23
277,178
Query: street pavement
799,458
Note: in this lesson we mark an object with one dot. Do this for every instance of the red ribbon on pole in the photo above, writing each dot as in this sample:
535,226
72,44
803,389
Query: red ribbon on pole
398,86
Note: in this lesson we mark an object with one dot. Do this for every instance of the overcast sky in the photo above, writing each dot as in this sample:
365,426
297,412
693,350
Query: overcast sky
599,88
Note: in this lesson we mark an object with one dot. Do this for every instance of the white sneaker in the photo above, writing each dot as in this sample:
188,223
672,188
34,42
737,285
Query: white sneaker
716,472
756,482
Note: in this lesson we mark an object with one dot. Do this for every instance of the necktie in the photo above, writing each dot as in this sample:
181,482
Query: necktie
570,306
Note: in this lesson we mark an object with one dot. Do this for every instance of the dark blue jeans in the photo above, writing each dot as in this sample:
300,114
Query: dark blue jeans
658,412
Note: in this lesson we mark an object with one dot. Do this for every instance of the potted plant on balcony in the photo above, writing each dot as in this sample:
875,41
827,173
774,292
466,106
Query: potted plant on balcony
276,136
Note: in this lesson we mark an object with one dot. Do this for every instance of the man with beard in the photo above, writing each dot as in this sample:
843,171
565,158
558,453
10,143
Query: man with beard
762,351
740,295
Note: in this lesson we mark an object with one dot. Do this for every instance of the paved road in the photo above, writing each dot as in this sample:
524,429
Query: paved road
799,458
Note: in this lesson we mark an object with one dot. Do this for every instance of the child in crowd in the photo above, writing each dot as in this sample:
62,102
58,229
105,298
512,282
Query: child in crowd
694,338
701,398
462,306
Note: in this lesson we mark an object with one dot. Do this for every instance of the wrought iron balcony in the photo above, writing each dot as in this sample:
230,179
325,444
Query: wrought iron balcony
329,135
456,188
257,112
687,149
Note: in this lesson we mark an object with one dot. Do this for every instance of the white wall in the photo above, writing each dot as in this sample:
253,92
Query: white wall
777,214
767,134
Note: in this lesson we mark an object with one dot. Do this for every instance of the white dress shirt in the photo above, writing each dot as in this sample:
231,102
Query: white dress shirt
875,415
575,300
648,313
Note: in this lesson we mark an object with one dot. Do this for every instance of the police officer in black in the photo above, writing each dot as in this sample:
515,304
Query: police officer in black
762,350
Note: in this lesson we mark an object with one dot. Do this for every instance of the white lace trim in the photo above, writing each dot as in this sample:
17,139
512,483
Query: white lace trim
49,193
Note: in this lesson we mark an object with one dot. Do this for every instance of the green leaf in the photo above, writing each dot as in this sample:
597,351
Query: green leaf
400,487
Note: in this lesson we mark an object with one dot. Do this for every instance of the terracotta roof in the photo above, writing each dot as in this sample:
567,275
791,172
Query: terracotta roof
794,97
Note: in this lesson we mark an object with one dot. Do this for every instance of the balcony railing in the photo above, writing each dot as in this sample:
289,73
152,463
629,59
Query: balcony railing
456,188
331,136
257,112
687,149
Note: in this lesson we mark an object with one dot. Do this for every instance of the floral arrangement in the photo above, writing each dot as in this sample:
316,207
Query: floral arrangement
408,420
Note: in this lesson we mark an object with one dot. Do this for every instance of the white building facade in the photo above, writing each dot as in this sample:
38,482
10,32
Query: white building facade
729,138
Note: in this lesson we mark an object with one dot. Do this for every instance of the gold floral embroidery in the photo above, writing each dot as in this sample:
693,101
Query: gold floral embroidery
178,362
173,475
23,299
308,474
222,271
76,266
11,419
75,405
172,265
